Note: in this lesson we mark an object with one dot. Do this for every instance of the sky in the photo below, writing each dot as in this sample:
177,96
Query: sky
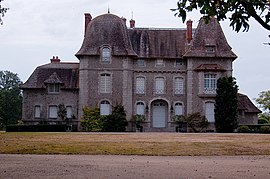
34,31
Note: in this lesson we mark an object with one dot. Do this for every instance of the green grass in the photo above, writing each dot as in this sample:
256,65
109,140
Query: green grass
162,144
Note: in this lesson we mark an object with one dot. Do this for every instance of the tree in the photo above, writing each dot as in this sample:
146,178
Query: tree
239,12
92,121
226,110
3,10
264,103
10,98
195,121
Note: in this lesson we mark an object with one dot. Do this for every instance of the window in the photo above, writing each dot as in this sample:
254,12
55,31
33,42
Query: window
210,111
210,49
178,62
140,62
178,109
53,88
104,108
210,83
37,111
159,85
69,111
105,83
140,85
106,55
140,108
53,112
178,85
159,62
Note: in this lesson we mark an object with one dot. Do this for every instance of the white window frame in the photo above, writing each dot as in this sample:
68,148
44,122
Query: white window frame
53,110
140,108
140,85
54,88
210,83
37,111
178,109
69,111
105,108
210,112
159,85
106,54
105,83
178,85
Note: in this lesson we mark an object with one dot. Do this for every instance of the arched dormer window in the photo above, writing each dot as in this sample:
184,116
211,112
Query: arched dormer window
106,55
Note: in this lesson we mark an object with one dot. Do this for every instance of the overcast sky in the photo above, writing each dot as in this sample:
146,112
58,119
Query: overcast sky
34,31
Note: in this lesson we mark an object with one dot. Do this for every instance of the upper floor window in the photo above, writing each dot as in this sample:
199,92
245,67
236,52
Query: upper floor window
178,62
105,83
37,111
53,111
53,88
104,108
140,108
159,85
210,83
105,55
178,85
140,85
159,62
141,62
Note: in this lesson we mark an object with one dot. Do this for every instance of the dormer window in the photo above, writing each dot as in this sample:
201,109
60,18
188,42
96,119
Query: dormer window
159,62
210,49
105,55
178,62
53,88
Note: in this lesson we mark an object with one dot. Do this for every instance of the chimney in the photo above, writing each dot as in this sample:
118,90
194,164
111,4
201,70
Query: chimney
189,30
87,19
132,23
124,20
55,59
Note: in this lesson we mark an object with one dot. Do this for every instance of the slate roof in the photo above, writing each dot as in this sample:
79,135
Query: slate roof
210,67
245,104
67,74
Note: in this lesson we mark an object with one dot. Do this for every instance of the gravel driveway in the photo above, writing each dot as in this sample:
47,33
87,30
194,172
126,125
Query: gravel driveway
113,166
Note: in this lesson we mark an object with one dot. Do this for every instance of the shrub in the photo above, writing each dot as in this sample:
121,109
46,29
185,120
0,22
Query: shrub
265,129
36,128
92,120
243,129
263,121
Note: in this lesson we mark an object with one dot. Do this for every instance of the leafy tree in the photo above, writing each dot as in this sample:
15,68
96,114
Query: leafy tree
264,103
10,98
226,110
239,12
92,120
3,10
62,112
116,122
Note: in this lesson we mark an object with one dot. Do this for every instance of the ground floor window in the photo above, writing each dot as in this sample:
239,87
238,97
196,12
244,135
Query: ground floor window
210,111
178,109
52,111
37,111
69,111
104,108
140,108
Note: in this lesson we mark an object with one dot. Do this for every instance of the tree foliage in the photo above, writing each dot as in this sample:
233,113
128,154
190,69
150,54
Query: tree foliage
226,110
238,11
3,10
264,103
10,98
92,121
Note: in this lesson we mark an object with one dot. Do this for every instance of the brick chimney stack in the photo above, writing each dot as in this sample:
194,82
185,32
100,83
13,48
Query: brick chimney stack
189,30
55,59
132,23
87,19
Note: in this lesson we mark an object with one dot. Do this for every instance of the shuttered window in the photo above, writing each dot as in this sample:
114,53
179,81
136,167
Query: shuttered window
105,83
159,85
69,111
37,111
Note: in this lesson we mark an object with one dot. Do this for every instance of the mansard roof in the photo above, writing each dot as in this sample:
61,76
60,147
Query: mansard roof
66,74
106,29
245,104
209,35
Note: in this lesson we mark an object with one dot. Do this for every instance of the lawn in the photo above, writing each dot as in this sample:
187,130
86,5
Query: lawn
161,144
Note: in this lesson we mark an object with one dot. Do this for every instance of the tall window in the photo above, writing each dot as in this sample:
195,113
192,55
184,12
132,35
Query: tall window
69,111
53,112
178,85
140,85
53,88
105,83
159,62
37,111
160,85
210,111
210,83
178,109
106,55
140,108
104,108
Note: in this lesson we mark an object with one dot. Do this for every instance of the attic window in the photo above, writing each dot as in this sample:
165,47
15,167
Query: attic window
210,49
53,88
105,55
159,62
178,62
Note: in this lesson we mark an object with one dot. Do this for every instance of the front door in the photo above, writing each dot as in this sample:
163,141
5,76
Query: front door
159,114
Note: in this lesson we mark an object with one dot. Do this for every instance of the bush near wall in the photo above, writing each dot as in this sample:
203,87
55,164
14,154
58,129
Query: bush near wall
255,128
37,128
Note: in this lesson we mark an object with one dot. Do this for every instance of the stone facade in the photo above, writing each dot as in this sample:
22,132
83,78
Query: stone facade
158,73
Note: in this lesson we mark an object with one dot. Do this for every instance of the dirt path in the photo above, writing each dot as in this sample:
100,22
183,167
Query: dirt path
112,166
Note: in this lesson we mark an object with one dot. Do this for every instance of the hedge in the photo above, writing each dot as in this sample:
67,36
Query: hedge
37,128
